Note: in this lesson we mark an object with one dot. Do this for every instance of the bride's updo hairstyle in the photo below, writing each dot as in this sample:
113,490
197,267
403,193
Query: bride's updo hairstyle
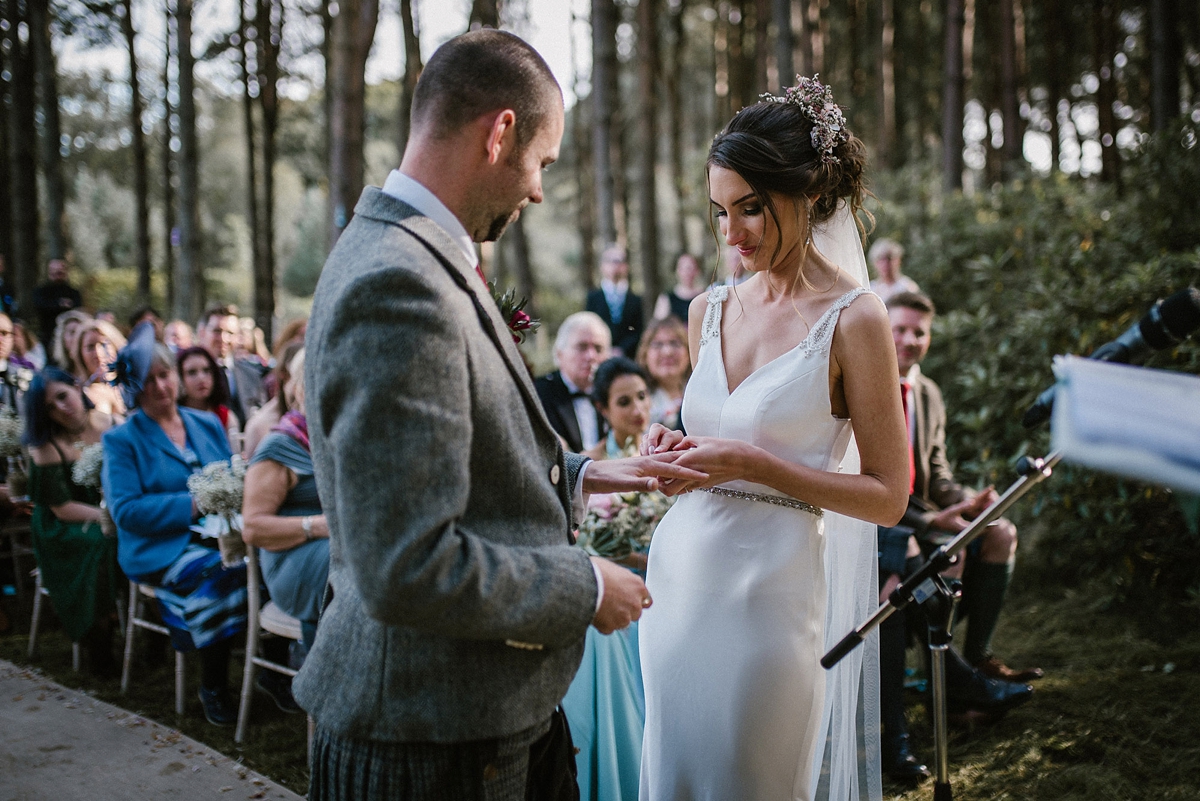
797,146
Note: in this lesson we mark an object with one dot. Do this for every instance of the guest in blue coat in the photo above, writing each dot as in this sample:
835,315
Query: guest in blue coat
147,462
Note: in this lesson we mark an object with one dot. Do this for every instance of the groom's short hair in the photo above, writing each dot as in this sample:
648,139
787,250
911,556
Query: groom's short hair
482,71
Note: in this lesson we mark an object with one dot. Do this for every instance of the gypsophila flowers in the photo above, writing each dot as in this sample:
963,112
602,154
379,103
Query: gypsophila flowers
815,99
12,429
218,487
87,468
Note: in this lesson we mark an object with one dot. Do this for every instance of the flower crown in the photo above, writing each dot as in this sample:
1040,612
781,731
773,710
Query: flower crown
815,99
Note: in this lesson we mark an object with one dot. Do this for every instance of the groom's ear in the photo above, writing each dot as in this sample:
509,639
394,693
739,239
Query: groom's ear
501,133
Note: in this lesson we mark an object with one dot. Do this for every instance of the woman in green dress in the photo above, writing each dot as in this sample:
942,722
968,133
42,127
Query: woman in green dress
78,563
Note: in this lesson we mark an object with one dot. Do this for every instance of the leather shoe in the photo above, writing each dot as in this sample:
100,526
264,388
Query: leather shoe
279,688
900,765
993,668
986,695
219,709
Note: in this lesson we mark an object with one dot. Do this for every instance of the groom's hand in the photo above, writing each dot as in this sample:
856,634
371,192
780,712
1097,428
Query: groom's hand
638,474
625,596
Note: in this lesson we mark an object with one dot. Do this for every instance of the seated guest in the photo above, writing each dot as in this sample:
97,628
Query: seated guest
66,337
16,373
202,387
143,313
271,412
690,283
663,354
885,256
96,348
616,304
26,345
583,341
147,462
605,704
282,514
220,335
78,563
178,335
252,344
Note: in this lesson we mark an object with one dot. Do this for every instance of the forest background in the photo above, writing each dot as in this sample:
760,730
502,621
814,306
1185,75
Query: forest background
1038,160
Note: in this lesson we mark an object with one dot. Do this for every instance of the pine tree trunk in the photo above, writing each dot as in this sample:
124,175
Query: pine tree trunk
412,71
781,12
605,117
350,36
647,147
141,178
521,265
6,220
484,14
253,222
1165,53
952,98
168,161
189,280
1010,108
269,18
1105,22
585,192
1056,49
51,156
674,102
762,46
22,158
887,84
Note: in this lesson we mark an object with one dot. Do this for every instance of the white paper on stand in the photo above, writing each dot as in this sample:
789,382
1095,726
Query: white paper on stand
1131,421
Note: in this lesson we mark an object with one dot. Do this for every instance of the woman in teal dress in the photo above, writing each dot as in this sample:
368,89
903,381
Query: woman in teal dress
605,705
78,563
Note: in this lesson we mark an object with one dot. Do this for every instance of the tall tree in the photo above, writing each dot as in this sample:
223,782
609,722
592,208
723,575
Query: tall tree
141,179
189,278
412,72
484,14
673,78
243,40
887,84
351,32
585,212
1104,19
1165,58
647,45
1009,102
51,155
22,140
168,163
606,117
781,15
6,218
269,39
952,97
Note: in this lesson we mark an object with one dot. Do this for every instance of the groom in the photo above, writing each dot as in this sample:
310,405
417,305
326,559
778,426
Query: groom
458,606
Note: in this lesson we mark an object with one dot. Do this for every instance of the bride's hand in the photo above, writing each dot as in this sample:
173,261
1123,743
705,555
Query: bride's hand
660,439
722,460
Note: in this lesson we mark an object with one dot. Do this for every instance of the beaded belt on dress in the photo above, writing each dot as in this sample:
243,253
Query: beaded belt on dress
777,500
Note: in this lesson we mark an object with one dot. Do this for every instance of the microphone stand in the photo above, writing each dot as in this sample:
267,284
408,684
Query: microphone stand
926,586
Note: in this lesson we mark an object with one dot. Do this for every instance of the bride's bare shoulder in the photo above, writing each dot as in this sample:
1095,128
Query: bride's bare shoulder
864,317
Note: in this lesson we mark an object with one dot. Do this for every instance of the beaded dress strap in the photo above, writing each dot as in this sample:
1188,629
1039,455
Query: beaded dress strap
710,329
820,337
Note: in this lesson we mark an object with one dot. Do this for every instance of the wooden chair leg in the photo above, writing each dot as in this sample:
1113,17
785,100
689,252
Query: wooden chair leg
75,656
135,611
37,613
179,674
252,634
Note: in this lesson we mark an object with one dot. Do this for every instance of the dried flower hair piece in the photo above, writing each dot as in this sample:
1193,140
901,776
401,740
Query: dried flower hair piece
815,99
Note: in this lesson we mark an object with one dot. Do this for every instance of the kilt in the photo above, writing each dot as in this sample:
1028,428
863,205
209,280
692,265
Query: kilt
346,769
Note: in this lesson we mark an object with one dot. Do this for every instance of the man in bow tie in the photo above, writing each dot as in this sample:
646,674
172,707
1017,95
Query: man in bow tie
581,344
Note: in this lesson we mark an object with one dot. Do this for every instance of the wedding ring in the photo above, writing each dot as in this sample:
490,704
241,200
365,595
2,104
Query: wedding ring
646,602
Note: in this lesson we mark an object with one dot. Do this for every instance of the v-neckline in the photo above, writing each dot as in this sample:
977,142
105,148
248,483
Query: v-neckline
729,393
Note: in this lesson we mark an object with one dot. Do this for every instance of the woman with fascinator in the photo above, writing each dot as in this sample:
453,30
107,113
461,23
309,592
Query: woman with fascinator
147,462
793,410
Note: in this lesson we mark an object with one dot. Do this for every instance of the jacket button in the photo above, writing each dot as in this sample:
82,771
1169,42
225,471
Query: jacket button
554,475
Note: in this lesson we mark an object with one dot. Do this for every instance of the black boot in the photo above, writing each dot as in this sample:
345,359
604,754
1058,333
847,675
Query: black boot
899,764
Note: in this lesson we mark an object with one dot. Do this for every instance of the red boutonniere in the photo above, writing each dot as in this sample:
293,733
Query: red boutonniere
520,324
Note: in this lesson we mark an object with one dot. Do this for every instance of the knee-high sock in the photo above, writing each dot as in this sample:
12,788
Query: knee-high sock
893,637
984,587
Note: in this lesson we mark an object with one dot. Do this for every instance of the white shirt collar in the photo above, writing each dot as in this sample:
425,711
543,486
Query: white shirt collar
914,373
409,190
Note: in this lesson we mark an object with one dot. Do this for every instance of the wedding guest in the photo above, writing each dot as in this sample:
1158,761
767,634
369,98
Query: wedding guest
202,386
65,338
253,342
78,563
282,514
96,348
605,705
663,354
618,306
271,412
16,373
147,462
885,255
178,335
583,341
27,346
220,336
689,284
54,297
143,313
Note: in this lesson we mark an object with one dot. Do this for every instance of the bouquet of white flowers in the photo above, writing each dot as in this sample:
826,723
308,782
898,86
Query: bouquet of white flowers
617,524
12,429
218,490
87,468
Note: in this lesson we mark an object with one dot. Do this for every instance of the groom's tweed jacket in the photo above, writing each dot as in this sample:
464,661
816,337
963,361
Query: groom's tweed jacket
448,498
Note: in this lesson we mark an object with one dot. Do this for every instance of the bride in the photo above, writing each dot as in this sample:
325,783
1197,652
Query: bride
756,575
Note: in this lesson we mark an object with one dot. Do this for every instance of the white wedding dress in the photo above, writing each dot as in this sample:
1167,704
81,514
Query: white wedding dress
737,704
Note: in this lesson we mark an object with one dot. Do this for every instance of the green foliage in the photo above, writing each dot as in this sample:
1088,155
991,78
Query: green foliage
1049,266
116,291
303,269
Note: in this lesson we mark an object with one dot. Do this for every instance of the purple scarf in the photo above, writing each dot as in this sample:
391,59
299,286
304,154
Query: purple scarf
295,425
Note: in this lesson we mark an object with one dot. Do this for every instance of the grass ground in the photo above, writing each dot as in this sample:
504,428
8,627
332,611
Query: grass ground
1116,719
